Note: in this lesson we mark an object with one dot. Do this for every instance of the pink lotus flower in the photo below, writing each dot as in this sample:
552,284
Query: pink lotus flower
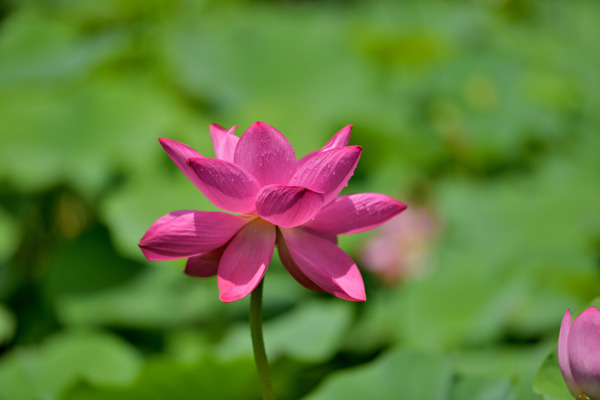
579,354
279,200
400,248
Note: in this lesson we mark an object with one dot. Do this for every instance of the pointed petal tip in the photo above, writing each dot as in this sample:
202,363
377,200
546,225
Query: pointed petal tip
328,171
260,125
171,143
357,297
216,126
340,139
230,292
144,251
566,323
146,247
224,141
266,154
324,264
245,260
345,132
355,149
179,154
352,293
168,144
356,213
218,130
401,207
193,160
589,312
228,298
188,233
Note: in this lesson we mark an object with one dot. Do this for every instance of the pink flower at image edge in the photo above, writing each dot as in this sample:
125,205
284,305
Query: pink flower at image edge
579,354
278,201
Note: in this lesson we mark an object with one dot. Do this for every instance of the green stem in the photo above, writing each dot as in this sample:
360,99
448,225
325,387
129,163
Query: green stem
258,344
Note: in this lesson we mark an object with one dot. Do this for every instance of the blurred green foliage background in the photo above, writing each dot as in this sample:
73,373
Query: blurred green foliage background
484,114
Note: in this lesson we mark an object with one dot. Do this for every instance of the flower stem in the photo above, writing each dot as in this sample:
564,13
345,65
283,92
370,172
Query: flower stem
258,344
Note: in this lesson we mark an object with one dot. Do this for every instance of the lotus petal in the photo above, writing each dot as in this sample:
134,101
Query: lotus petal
290,265
245,260
180,154
227,185
224,142
356,213
324,264
328,171
288,206
201,267
563,355
583,352
266,154
189,233
340,139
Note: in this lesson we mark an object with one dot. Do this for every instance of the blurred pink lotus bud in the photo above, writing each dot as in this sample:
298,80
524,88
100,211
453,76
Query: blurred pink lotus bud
579,354
400,247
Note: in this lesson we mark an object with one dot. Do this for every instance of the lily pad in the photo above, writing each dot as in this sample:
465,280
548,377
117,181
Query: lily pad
46,371
163,378
311,332
396,375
